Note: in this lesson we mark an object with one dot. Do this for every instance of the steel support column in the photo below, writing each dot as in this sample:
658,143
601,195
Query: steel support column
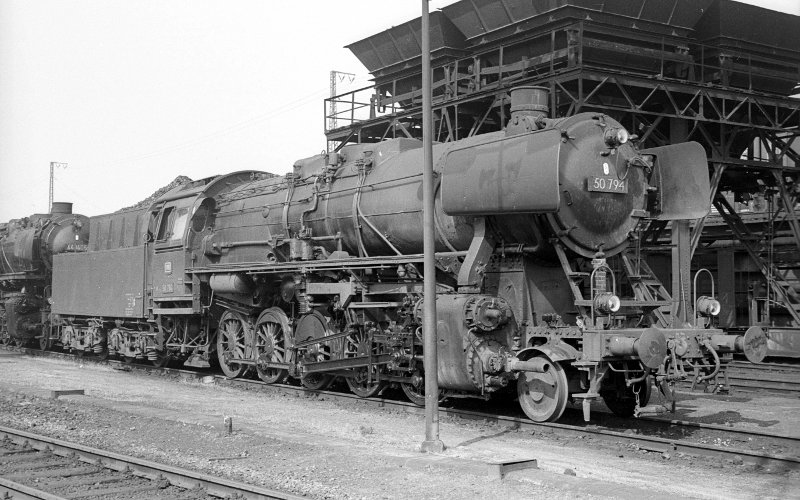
682,309
726,284
432,443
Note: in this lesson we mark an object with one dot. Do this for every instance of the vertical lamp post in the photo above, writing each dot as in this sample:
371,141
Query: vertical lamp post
432,443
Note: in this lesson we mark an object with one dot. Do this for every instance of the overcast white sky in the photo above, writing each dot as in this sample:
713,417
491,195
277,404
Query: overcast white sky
132,93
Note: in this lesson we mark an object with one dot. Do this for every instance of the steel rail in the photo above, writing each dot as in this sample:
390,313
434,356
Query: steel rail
649,443
183,478
17,491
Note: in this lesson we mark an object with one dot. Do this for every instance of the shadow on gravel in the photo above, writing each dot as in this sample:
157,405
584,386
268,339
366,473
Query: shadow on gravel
484,438
724,417
691,396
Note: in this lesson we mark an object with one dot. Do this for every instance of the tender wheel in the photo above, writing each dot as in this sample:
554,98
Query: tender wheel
271,345
620,399
358,344
161,360
45,343
231,341
314,326
543,396
103,354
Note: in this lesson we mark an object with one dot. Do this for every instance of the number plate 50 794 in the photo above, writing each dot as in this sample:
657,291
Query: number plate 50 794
607,185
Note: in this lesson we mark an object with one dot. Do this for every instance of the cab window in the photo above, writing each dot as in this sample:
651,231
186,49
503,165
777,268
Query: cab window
173,224
163,227
179,226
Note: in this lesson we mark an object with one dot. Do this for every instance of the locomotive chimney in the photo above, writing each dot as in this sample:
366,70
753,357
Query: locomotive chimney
529,109
529,101
61,207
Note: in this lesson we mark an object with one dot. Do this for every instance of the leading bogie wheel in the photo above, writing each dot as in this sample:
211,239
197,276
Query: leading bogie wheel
231,341
271,344
543,396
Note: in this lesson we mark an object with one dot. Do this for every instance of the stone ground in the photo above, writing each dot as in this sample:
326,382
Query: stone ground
332,449
761,413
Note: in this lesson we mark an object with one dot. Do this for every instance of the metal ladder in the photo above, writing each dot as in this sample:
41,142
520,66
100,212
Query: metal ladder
648,288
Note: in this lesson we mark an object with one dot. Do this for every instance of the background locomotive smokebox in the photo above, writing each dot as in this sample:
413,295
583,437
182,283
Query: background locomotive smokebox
96,284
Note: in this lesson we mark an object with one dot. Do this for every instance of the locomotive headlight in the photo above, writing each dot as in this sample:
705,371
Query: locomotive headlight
708,306
616,137
606,303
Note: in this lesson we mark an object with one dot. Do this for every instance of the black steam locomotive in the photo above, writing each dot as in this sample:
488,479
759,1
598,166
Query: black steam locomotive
27,247
318,274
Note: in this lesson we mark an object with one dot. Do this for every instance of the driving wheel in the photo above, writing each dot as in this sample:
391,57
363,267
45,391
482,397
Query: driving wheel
314,326
231,341
270,335
365,381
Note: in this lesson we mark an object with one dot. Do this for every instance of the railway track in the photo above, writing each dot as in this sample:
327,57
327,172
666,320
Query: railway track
651,443
773,378
33,466
692,438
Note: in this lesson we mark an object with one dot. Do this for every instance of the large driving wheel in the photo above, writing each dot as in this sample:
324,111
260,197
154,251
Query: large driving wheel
314,326
271,346
621,400
231,341
543,396
363,383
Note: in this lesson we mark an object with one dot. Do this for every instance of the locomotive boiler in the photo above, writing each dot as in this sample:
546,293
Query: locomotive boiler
27,247
318,274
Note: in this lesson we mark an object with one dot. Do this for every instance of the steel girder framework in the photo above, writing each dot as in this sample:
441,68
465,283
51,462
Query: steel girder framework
726,120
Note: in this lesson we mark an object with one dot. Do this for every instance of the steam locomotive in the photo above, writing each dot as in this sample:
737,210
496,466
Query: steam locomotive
318,274
27,247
